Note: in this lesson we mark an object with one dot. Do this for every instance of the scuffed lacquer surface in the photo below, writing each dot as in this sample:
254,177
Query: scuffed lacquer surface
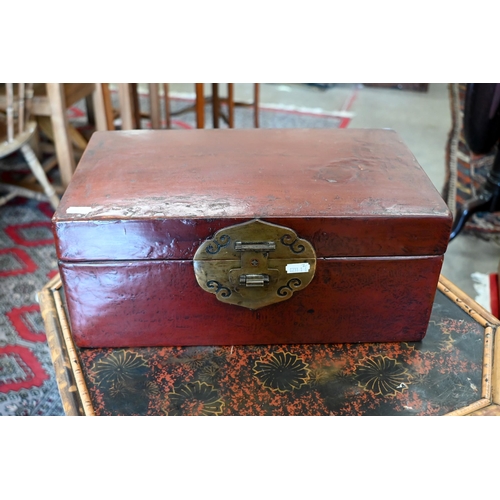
249,173
160,193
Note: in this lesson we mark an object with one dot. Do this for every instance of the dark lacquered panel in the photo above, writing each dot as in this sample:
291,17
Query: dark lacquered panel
433,377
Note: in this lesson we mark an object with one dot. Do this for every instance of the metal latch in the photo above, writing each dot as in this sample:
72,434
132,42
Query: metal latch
254,279
254,264
262,246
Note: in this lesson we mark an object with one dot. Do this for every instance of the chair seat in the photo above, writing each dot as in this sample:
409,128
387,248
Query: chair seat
7,148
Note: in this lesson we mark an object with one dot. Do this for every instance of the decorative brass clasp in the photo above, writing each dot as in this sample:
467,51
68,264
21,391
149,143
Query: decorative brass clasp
254,264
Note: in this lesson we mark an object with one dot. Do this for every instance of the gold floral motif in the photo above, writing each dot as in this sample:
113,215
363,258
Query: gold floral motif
434,343
152,389
281,371
120,367
382,375
318,376
196,398
324,374
209,372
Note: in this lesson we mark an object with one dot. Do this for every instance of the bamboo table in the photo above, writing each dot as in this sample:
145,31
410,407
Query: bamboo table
455,370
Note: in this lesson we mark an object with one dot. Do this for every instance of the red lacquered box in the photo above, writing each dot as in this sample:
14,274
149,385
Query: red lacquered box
220,237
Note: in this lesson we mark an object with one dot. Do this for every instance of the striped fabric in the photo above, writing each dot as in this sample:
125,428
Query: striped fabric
465,171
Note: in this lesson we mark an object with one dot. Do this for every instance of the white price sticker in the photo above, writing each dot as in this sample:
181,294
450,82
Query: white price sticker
303,267
78,210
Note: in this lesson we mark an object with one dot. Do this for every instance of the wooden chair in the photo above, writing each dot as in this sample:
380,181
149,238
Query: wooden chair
49,106
131,113
217,102
17,127
231,104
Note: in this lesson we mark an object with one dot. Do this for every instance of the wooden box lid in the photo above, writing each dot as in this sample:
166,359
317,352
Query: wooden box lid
160,194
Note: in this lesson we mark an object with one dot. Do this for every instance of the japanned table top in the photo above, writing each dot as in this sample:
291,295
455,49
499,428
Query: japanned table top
453,371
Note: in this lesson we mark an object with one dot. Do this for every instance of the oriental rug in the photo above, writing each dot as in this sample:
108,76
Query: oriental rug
27,261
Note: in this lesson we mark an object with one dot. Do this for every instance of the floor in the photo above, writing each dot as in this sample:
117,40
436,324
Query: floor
422,119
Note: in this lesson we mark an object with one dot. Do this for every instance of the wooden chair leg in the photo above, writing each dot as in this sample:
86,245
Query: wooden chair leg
39,173
136,105
60,126
215,105
154,105
34,143
256,98
168,123
200,106
89,103
99,107
126,106
108,106
230,104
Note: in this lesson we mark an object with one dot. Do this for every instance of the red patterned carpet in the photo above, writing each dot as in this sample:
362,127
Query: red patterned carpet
27,262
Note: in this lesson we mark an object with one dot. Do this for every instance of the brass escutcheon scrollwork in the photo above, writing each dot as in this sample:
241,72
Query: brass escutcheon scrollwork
254,264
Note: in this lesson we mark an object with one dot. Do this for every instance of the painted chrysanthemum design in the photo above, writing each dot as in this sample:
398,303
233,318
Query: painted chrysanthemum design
119,368
118,389
281,371
434,343
197,398
382,375
209,373
152,389
318,376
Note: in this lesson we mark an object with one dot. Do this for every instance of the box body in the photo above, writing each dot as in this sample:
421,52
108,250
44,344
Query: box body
141,203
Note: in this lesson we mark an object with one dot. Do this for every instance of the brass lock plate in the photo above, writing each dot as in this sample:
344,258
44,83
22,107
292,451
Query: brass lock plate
254,264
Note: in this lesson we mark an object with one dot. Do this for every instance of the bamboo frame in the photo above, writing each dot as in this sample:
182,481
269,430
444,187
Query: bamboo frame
490,384
65,380
469,305
495,396
76,398
73,357
70,380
